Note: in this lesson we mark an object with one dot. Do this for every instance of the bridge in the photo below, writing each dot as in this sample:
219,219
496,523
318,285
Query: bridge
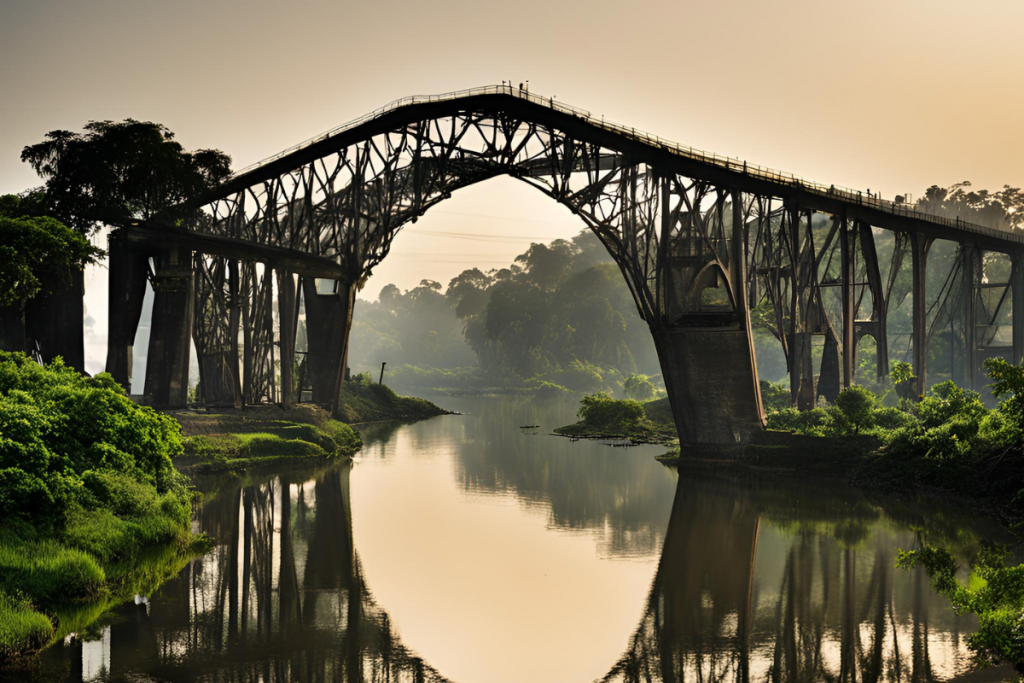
701,240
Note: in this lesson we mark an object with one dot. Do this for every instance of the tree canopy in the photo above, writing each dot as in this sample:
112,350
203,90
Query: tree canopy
115,172
36,252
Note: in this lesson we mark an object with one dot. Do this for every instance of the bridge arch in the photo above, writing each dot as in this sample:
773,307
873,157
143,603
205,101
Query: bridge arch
668,215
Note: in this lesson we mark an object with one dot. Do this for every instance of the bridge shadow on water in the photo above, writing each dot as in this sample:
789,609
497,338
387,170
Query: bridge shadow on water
759,580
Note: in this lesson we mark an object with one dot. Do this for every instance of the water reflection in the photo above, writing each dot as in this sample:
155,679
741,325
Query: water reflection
768,581
758,579
281,599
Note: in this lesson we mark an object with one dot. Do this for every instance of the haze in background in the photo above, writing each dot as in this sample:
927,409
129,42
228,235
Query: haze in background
890,97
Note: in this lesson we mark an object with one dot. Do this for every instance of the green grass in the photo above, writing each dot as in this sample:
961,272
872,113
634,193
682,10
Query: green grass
364,401
236,451
49,572
22,629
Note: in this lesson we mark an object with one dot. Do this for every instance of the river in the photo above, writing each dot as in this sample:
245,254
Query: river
465,548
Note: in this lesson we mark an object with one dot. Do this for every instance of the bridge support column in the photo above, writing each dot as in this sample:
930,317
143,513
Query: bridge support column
168,362
288,311
848,271
55,322
712,384
919,246
328,323
1017,302
970,267
126,279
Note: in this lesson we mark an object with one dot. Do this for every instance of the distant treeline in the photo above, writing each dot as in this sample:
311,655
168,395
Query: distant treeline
561,316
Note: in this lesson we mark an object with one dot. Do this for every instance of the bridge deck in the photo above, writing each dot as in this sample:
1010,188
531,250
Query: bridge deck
806,194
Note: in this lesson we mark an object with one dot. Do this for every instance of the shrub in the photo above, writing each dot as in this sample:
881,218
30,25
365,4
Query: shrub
854,410
602,411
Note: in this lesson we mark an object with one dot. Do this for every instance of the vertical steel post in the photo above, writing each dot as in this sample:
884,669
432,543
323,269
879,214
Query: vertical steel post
288,312
969,255
919,247
849,314
1017,302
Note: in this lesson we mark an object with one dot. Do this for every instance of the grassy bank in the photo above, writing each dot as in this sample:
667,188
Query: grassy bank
363,400
236,440
93,508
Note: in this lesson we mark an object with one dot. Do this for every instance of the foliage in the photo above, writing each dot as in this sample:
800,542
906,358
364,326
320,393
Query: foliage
854,410
1008,380
561,315
638,387
363,400
995,594
38,254
115,172
22,629
775,396
902,375
86,482
601,410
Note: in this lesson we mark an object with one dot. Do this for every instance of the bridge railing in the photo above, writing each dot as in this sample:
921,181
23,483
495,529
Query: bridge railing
730,163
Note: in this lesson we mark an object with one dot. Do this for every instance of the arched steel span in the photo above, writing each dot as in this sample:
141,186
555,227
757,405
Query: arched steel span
685,228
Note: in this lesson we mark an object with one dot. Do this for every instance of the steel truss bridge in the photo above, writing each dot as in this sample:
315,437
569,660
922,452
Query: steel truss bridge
702,241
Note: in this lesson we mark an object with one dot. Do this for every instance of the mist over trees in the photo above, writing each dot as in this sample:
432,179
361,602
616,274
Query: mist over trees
560,315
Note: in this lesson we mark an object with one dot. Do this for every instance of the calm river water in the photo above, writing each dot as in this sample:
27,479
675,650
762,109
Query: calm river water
465,548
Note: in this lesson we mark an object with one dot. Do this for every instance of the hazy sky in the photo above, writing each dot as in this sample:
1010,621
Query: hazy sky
889,95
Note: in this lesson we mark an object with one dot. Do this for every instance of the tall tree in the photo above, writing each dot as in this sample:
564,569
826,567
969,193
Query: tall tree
115,172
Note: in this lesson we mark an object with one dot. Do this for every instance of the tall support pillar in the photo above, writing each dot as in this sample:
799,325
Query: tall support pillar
169,342
738,275
55,322
127,270
920,245
849,314
1017,301
288,312
970,267
328,323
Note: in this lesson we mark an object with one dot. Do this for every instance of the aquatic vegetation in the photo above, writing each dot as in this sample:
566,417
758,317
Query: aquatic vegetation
603,416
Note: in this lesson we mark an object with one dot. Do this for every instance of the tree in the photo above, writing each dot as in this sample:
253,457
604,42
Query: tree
638,387
855,408
1008,380
115,172
38,254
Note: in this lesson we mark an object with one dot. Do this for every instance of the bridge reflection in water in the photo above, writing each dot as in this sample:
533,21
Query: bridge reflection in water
751,586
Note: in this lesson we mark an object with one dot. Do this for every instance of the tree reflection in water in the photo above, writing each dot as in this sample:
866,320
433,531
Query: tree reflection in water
758,581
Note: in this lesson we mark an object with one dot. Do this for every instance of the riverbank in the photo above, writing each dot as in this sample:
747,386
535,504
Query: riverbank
946,444
229,440
93,509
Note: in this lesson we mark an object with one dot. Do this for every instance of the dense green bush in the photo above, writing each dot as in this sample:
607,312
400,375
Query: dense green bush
603,411
86,482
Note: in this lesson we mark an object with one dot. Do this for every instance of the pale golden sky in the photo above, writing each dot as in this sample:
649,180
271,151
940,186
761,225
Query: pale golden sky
884,95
